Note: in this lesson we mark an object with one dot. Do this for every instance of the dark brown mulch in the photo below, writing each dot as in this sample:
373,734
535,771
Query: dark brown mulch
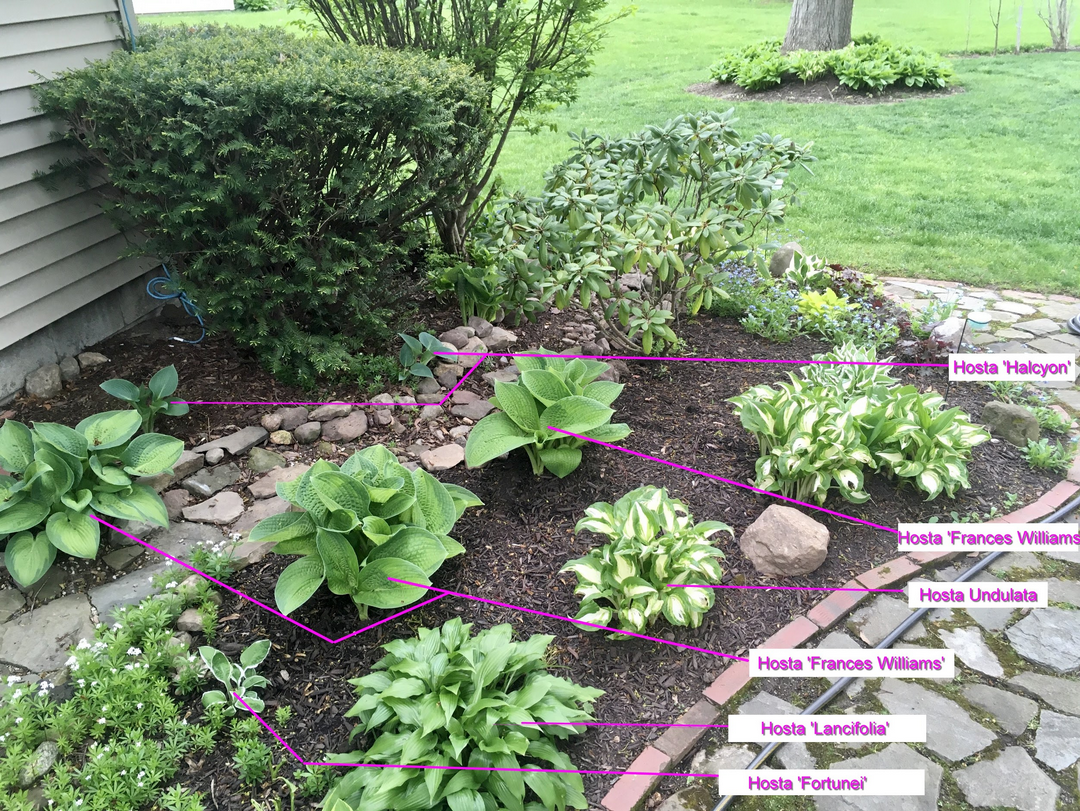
818,92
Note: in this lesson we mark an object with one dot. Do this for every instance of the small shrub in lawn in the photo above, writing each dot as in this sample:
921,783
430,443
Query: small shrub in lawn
1047,455
447,698
285,178
60,478
363,522
553,392
654,543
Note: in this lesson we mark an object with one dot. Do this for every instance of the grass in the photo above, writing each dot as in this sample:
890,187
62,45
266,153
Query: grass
972,187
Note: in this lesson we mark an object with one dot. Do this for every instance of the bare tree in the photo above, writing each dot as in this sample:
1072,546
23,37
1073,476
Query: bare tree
818,25
1058,17
995,20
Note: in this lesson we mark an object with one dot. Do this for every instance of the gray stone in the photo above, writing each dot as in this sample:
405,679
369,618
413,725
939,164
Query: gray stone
188,463
215,456
158,482
480,327
1071,398
40,763
464,397
783,542
1004,318
308,432
1057,311
38,640
292,418
211,480
474,346
838,640
251,552
262,508
1061,694
1052,346
1015,307
330,411
458,336
442,458
731,756
1040,326
499,339
1013,423
383,416
1064,591
11,600
271,422
260,460
50,586
972,650
507,375
237,443
459,431
1012,780
950,732
69,369
948,331
791,755
175,501
384,398
783,258
430,413
140,529
876,621
894,756
991,619
475,410
280,438
1049,637
267,485
1012,712
44,382
1026,561
131,589
88,360
1010,334
345,429
120,559
448,374
1057,741
191,621
426,387
691,798
224,508
1006,347
181,538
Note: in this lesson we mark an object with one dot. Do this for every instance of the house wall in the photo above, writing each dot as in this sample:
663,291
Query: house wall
63,285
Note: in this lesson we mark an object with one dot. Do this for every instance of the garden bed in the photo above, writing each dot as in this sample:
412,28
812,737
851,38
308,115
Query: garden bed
820,91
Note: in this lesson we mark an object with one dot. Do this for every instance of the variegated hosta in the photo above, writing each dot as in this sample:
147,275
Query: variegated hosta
448,699
654,543
364,522
61,477
555,392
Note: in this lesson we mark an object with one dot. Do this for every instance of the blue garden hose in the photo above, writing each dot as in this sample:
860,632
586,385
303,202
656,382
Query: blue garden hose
163,288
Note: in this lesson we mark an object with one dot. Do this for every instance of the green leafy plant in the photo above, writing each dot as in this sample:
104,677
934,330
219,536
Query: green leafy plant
178,798
807,272
447,698
149,399
239,679
555,392
61,478
255,5
1047,455
1009,391
364,522
654,543
1051,420
417,354
817,308
923,321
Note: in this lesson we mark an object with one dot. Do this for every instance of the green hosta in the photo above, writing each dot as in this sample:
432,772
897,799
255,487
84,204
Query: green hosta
552,392
654,543
363,522
822,429
150,399
240,680
816,308
61,477
449,699
417,354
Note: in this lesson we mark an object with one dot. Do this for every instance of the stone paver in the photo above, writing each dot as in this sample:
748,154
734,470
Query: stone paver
1061,694
790,755
875,621
212,480
1012,780
1057,741
1049,637
38,641
972,650
237,443
131,589
1012,712
894,756
265,487
950,732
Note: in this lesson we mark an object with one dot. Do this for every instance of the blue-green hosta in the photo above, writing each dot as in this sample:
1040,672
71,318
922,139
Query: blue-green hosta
446,698
551,391
654,543
363,522
60,477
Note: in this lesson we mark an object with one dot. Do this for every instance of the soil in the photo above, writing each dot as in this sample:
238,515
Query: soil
828,90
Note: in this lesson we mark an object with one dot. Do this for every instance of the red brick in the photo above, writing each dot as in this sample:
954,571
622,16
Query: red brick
1027,515
888,574
630,790
837,605
1074,472
923,558
678,741
791,635
1058,495
728,683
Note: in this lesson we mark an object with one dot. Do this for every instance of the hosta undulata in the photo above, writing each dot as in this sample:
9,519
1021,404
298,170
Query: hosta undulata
60,477
364,522
551,391
654,543
448,699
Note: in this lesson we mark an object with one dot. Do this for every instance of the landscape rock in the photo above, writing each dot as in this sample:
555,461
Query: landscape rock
211,480
474,345
429,413
442,458
1049,637
345,429
894,756
463,397
1057,741
427,386
457,337
499,339
38,641
175,501
950,732
1064,591
1011,711
88,360
224,508
262,508
308,432
260,460
459,431
271,422
239,442
1061,694
266,486
691,798
251,552
474,411
991,619
875,621
783,258
44,382
448,374
40,763
11,600
383,416
507,375
1012,780
1040,326
120,559
480,327
191,621
972,650
69,369
948,331
131,589
783,542
1013,423
181,538
188,463
292,417
215,456
280,438
730,756
330,411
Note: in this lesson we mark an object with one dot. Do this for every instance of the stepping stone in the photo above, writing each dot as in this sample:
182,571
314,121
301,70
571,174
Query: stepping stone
188,463
243,440
211,480
478,409
1006,347
131,589
987,295
837,640
120,559
261,509
1057,311
1057,741
1003,318
1049,637
1040,326
981,338
894,756
224,508
442,458
950,732
1012,780
1013,307
265,487
972,650
1071,398
1064,591
1018,560
1012,712
11,600
1061,694
38,641
1052,346
790,755
991,619
874,622
711,760
1010,334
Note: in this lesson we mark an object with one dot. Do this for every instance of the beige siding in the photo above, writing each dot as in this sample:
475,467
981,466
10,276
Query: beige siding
57,250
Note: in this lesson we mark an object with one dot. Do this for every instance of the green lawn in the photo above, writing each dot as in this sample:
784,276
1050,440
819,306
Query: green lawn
979,187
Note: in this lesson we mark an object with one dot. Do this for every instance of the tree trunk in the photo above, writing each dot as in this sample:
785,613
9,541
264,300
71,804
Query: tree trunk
818,25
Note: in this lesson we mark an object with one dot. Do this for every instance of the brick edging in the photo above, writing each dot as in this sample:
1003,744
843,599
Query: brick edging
630,791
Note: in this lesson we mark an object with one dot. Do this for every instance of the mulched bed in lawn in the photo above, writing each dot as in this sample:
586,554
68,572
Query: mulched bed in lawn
821,91
524,534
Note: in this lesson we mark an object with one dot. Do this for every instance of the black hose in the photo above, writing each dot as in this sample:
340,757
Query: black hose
826,697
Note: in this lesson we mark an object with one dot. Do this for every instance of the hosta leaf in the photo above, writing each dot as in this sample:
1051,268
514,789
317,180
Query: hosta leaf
109,429
519,404
135,503
28,557
544,385
340,492
283,527
151,454
77,501
561,461
62,438
463,498
434,502
16,446
340,565
676,607
493,436
75,533
465,800
25,514
575,414
415,545
375,589
121,389
163,383
603,391
297,582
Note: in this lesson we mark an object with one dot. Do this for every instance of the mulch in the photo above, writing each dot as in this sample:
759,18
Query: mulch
822,91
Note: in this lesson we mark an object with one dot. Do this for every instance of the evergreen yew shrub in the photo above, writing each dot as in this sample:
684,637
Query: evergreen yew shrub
285,178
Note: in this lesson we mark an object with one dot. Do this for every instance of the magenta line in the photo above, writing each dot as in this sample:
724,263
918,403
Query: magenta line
784,588
303,762
721,479
705,360
191,568
598,724
568,619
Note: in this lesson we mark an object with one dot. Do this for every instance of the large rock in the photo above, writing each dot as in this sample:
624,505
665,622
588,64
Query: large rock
475,410
457,337
224,508
448,374
38,640
131,589
175,501
345,429
308,432
950,732
1012,422
330,411
261,460
209,481
267,485
292,418
11,600
1057,741
262,508
69,369
40,763
894,756
499,339
481,328
181,538
44,382
1049,637
188,463
88,360
442,458
1012,780
784,542
948,331
783,258
427,386
237,443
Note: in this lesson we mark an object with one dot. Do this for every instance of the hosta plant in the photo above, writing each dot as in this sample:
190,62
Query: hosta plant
417,354
654,543
552,392
60,477
238,679
449,699
150,399
364,522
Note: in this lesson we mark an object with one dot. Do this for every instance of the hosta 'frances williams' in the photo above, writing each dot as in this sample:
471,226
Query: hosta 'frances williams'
60,477
364,522
654,543
552,391
449,699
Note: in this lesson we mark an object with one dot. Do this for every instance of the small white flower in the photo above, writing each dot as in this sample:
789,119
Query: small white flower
16,695
101,721
71,661
18,720
82,682
12,680
133,651
104,707
129,666
139,706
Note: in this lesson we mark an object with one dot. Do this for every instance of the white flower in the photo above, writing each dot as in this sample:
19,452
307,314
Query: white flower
129,666
12,680
71,661
133,651
16,695
18,720
101,721
82,682
104,707
138,706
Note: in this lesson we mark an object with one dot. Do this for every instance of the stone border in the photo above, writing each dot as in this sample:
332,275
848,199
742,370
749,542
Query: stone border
631,790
